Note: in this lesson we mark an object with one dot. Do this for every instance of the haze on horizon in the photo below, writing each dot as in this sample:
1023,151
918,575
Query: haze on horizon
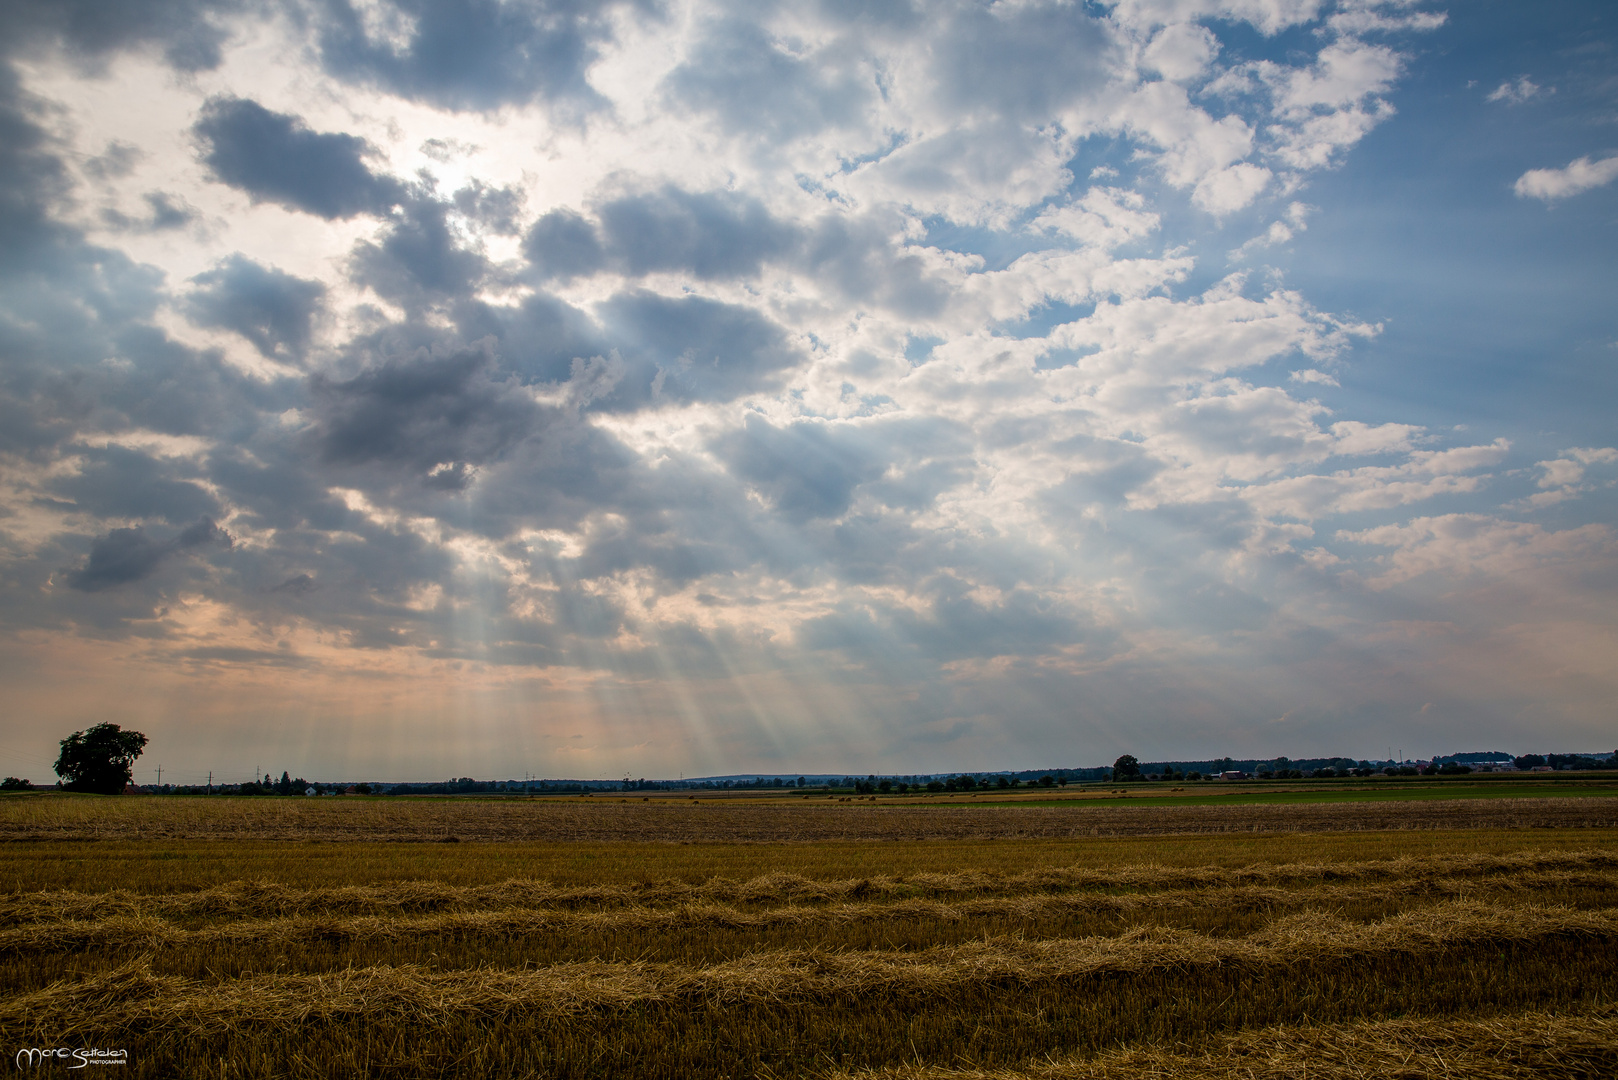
406,390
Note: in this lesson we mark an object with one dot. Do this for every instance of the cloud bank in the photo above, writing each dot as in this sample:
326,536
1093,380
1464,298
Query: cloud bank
575,388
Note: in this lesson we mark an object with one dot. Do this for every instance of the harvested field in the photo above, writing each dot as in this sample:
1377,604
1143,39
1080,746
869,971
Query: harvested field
1251,954
1537,1045
602,821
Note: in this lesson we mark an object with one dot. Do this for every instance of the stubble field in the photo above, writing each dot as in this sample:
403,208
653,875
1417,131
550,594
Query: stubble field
262,938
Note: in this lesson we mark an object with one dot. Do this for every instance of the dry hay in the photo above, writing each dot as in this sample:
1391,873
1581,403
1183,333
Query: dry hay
134,998
148,931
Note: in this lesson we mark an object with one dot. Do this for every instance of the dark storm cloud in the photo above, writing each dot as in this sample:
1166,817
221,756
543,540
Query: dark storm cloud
435,415
469,54
128,555
272,309
806,469
276,158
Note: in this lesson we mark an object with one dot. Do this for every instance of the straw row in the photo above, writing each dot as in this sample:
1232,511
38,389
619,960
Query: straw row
268,899
133,997
146,931
1516,1047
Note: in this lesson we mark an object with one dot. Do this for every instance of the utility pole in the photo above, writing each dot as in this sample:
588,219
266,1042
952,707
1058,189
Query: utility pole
160,776
210,781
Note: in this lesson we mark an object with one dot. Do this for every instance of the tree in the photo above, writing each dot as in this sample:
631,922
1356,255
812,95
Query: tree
1125,766
99,759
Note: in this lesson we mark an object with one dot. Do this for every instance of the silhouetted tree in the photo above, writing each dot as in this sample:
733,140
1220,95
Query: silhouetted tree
1125,766
99,759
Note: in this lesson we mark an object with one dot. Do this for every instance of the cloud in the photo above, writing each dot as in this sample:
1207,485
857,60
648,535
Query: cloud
1279,232
163,212
1563,478
1462,545
191,32
421,256
276,158
759,87
1103,216
121,482
710,235
125,556
273,310
497,209
1518,91
1268,16
1231,188
807,470
438,416
693,349
730,380
467,54
1181,52
1021,63
1576,177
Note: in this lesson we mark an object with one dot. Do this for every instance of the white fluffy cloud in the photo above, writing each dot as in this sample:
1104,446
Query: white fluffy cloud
1574,178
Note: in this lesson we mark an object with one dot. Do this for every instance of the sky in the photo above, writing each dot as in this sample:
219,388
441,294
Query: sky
403,390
